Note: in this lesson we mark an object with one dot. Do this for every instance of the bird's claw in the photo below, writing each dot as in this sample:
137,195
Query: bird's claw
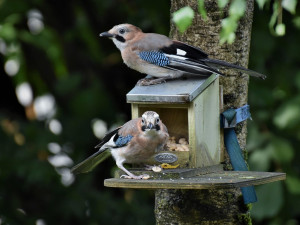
150,81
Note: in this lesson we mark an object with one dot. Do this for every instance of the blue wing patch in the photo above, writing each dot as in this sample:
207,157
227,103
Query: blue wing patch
155,57
122,141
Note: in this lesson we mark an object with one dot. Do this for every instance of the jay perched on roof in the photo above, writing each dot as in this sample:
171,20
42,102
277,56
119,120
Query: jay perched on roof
134,142
163,58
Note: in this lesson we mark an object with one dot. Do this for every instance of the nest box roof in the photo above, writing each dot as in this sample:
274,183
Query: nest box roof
173,91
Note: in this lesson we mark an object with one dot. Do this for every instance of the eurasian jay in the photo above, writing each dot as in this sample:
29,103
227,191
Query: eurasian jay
134,142
163,58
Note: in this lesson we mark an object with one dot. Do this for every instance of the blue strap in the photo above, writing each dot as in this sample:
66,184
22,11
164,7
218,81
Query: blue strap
229,119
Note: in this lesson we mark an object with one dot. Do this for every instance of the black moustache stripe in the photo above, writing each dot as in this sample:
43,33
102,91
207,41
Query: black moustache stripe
157,127
120,38
143,128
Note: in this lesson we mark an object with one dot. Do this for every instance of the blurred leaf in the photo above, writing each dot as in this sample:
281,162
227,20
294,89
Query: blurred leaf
261,3
293,184
270,200
297,80
280,29
237,9
274,16
229,25
287,115
183,18
260,160
255,137
282,150
227,34
8,32
201,9
289,5
296,22
279,93
222,3
278,149
68,85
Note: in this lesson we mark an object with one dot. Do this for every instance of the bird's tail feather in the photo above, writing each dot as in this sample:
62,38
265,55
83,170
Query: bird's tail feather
192,67
220,63
91,162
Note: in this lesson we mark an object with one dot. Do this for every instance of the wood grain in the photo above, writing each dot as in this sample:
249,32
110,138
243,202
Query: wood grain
220,180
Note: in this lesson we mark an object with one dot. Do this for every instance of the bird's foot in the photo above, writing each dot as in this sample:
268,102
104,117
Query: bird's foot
140,177
150,81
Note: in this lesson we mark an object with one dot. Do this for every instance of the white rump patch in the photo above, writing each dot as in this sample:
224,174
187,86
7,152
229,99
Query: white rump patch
180,52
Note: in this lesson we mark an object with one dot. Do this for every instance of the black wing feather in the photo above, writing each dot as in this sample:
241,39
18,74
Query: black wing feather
192,67
219,63
91,162
108,136
193,60
189,62
192,52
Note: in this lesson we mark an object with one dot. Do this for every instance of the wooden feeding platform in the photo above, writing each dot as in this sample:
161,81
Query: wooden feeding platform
190,108
203,178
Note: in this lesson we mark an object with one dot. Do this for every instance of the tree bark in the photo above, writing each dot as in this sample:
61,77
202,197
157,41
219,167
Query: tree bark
212,206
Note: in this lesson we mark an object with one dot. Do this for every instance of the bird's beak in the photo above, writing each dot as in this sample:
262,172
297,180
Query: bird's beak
150,126
106,34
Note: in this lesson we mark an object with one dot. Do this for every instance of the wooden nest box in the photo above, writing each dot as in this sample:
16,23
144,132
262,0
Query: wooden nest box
190,108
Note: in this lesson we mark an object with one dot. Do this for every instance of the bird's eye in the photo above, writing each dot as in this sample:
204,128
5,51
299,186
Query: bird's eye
157,120
122,31
143,121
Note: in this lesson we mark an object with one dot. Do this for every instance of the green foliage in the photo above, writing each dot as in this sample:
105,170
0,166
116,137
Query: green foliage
222,3
229,25
55,49
261,3
272,197
273,137
183,18
236,11
289,5
201,9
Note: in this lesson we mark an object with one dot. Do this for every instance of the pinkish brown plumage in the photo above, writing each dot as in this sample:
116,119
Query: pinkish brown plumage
163,58
134,142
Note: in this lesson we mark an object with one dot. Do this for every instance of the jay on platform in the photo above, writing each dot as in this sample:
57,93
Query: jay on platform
163,58
134,142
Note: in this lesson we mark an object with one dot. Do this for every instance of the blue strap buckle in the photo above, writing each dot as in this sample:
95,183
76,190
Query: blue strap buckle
231,117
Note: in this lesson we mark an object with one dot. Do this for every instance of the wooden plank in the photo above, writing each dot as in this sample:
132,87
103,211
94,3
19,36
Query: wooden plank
160,105
223,180
174,173
173,91
204,128
134,111
222,145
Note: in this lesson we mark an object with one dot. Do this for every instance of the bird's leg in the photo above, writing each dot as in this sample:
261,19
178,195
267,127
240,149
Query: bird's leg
131,175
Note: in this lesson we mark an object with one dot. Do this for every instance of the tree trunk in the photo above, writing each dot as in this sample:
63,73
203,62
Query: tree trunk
212,206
